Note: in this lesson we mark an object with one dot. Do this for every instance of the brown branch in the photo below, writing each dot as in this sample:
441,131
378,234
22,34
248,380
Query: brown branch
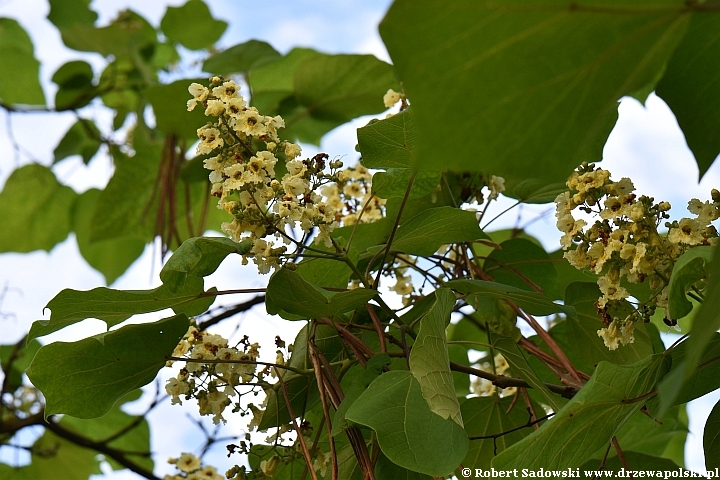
239,308
621,456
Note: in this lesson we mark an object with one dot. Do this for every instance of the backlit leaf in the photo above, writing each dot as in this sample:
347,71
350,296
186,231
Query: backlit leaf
99,370
408,432
241,58
19,70
192,25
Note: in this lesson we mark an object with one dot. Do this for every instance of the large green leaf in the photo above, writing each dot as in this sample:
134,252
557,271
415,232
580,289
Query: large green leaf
524,88
171,115
289,293
192,25
198,257
110,257
533,303
408,432
388,143
521,263
97,371
354,383
588,421
395,181
126,205
241,58
272,83
115,306
707,320
36,210
579,339
691,87
127,35
691,267
19,70
711,439
82,138
430,362
329,90
426,232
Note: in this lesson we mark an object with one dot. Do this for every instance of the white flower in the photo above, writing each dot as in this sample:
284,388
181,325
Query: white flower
226,91
392,97
214,108
187,462
497,186
199,93
292,150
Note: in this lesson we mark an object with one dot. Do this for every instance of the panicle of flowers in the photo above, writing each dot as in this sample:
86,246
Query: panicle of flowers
207,378
191,468
268,199
624,243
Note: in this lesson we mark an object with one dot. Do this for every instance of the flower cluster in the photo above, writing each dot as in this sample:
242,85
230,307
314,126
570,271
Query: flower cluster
265,185
191,468
486,388
624,244
213,371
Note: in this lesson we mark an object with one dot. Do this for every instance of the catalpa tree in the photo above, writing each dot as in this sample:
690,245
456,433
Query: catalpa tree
410,361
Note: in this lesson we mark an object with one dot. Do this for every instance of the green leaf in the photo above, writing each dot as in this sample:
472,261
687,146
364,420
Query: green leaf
579,339
75,85
36,210
129,432
288,292
64,13
654,436
198,257
535,191
83,138
520,366
408,432
115,306
430,362
192,25
424,233
524,89
638,462
354,385
329,90
241,58
387,470
691,267
51,454
707,321
691,88
14,359
533,303
711,439
126,205
19,70
521,263
388,143
97,371
486,416
171,115
588,421
394,182
271,83
127,35
110,257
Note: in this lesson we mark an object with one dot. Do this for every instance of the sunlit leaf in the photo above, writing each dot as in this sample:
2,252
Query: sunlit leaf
97,371
241,58
115,306
64,13
588,421
75,85
37,210
19,70
691,267
524,89
83,138
192,25
430,362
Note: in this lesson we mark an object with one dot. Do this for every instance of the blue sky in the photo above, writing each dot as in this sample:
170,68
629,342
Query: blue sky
646,145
